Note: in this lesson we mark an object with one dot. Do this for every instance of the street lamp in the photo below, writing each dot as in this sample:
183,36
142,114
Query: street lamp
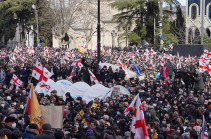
98,33
113,35
36,13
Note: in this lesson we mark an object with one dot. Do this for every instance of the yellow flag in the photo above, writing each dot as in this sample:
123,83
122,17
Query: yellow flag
79,48
94,105
81,112
35,115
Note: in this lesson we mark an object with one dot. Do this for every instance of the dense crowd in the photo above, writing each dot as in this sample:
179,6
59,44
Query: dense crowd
175,96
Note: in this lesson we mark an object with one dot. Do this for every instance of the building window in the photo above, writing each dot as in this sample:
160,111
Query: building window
193,12
208,32
209,11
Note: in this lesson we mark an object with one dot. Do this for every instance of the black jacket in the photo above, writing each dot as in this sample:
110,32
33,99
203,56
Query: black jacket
45,135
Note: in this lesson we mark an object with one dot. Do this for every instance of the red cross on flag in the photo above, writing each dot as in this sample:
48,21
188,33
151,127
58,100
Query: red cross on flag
46,51
131,54
109,52
17,49
137,52
77,62
15,80
40,72
93,52
146,53
130,107
209,69
67,55
71,74
138,125
162,62
31,51
93,78
13,60
72,55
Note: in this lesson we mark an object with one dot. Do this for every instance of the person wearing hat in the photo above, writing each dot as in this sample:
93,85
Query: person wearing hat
176,135
10,123
46,132
31,132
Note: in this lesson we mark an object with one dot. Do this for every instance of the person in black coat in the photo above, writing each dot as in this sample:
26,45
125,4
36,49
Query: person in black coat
46,133
32,132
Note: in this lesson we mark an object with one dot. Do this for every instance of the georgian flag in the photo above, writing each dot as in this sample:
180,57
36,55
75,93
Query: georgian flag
13,60
40,72
31,51
109,52
67,55
162,62
146,53
137,52
130,107
93,78
72,55
15,80
72,74
138,125
46,51
209,69
17,49
130,54
77,62
93,52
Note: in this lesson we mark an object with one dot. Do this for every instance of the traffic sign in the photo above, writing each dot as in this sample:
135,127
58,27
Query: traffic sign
38,44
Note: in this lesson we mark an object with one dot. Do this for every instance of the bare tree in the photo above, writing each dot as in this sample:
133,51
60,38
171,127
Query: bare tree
65,14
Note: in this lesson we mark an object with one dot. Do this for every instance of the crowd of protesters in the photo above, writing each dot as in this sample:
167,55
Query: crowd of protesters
175,96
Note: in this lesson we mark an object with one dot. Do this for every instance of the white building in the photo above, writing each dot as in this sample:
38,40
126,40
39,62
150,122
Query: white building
80,35
22,37
194,16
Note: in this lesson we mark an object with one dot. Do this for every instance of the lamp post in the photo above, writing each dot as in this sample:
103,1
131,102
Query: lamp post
161,23
98,33
37,19
113,35
202,23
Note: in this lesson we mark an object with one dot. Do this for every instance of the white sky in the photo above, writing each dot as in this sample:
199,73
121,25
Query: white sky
183,2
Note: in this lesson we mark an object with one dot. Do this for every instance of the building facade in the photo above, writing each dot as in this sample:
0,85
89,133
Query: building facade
82,35
194,19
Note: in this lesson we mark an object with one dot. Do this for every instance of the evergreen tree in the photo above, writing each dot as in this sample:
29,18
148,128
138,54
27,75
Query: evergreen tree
178,26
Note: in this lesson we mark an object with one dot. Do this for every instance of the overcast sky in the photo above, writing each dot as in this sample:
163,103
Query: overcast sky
183,2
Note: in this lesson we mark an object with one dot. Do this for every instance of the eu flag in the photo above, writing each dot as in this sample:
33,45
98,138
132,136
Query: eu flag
136,69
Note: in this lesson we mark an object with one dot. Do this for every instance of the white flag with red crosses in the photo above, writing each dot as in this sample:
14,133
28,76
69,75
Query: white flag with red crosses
40,72
77,62
15,80
93,78
138,125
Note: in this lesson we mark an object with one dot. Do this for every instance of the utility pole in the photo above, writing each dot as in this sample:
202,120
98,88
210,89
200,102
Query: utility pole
98,33
161,22
154,31
202,23
37,19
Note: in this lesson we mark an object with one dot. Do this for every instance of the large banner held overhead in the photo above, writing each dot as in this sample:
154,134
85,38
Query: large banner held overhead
53,115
